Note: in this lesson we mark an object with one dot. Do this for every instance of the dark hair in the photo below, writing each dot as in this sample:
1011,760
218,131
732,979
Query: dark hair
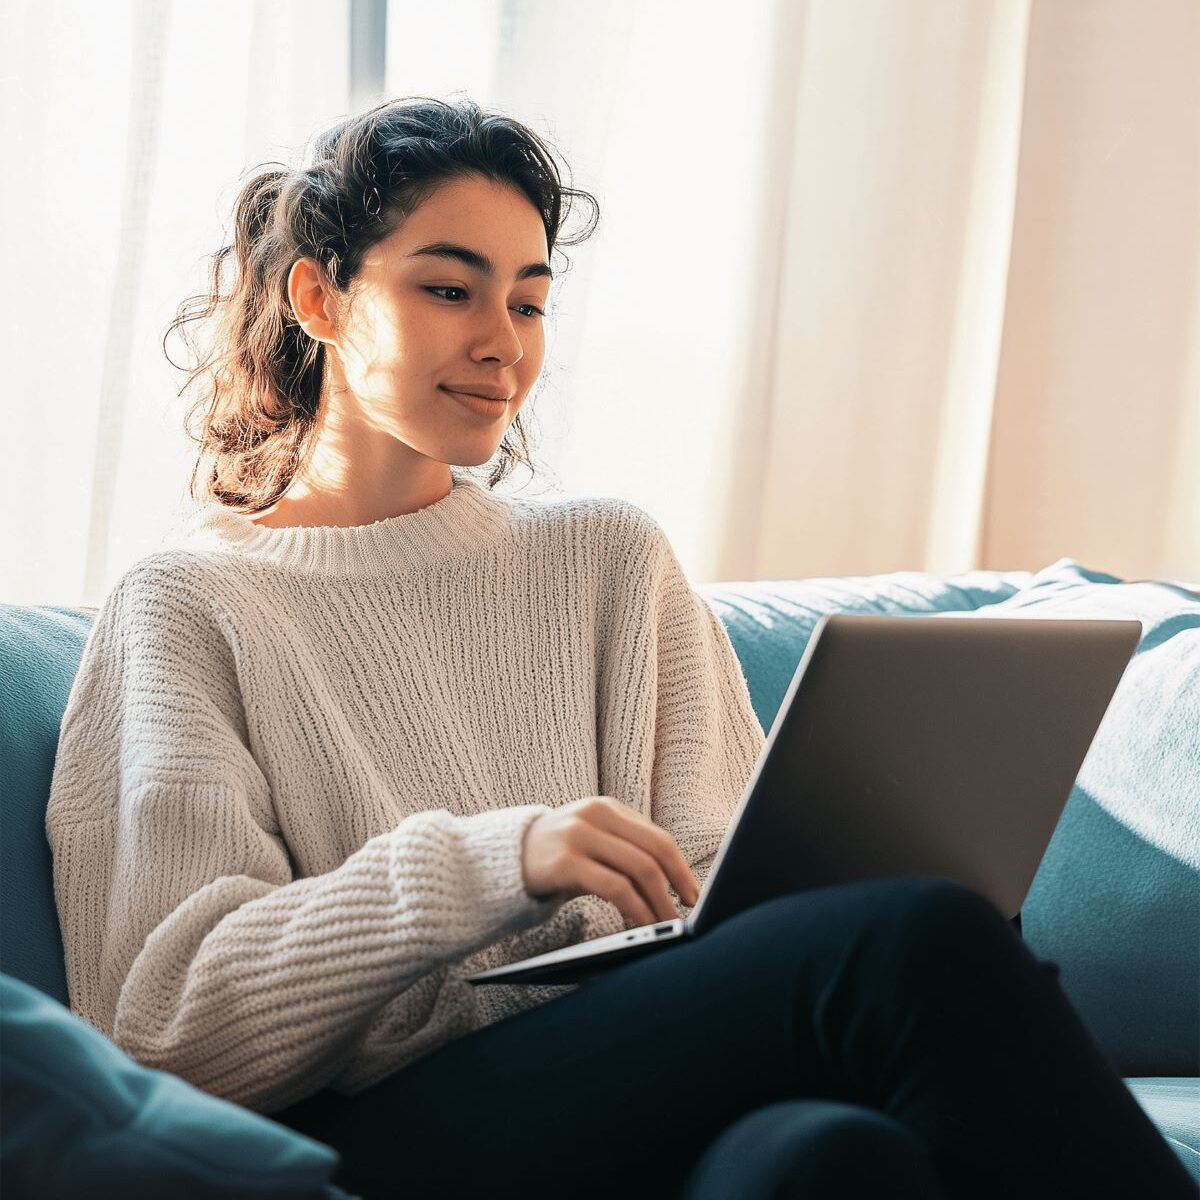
261,402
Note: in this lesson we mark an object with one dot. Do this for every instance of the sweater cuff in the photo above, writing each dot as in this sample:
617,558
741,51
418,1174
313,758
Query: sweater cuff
497,840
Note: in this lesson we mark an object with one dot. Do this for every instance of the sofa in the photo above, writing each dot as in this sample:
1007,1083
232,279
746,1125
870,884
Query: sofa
1115,901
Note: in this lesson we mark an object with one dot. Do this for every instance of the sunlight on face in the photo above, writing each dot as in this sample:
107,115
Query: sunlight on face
420,323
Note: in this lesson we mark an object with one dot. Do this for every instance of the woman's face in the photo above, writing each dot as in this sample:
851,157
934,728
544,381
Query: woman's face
422,325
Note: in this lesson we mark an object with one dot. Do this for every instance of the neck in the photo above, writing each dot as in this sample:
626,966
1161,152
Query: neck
468,519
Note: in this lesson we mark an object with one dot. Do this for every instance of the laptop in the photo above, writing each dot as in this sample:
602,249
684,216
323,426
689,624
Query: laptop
904,745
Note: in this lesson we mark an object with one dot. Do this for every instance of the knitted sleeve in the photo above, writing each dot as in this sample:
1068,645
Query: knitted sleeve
188,939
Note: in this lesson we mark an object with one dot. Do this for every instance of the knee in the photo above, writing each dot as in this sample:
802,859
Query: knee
830,1147
813,1147
891,926
941,907
926,920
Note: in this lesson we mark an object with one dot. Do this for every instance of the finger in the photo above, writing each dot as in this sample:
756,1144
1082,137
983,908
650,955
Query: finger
677,868
643,869
628,823
617,889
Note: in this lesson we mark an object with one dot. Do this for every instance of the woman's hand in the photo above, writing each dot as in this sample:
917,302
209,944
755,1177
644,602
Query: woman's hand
601,847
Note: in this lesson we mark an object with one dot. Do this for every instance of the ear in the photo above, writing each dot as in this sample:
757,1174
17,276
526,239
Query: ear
312,301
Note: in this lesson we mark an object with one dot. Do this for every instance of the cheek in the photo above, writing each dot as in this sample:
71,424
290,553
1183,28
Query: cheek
414,349
375,338
410,330
534,345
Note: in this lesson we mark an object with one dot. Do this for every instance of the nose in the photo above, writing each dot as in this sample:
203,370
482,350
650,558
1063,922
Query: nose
498,339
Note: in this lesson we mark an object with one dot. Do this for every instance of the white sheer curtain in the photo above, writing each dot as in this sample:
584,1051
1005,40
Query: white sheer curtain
877,285
127,126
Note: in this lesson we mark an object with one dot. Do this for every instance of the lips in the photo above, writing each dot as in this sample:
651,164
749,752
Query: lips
486,391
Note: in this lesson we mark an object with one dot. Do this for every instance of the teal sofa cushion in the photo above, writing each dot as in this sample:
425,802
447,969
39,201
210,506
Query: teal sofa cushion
40,649
79,1117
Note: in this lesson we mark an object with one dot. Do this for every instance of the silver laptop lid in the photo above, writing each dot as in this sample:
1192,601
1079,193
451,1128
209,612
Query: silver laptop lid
920,744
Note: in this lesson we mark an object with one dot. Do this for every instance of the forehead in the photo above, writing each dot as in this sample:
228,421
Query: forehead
496,219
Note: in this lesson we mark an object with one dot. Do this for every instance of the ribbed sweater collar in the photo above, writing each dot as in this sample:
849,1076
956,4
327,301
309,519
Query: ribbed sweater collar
469,518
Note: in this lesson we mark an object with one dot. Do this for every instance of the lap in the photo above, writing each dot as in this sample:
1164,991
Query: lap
640,1067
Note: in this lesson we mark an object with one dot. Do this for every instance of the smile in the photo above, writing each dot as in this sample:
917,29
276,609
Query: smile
478,404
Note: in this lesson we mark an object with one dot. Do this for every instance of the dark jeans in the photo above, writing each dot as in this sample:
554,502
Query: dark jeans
894,1037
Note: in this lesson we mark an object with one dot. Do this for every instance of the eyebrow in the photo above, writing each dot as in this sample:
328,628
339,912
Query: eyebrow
479,262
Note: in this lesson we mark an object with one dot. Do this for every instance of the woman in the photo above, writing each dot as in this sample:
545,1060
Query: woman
372,728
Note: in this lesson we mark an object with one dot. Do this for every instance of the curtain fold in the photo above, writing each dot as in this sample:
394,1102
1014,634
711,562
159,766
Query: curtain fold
876,286
1095,449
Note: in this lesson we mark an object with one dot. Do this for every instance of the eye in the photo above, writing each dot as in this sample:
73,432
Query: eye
536,311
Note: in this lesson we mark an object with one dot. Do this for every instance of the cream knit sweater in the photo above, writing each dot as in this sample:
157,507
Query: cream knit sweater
296,767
